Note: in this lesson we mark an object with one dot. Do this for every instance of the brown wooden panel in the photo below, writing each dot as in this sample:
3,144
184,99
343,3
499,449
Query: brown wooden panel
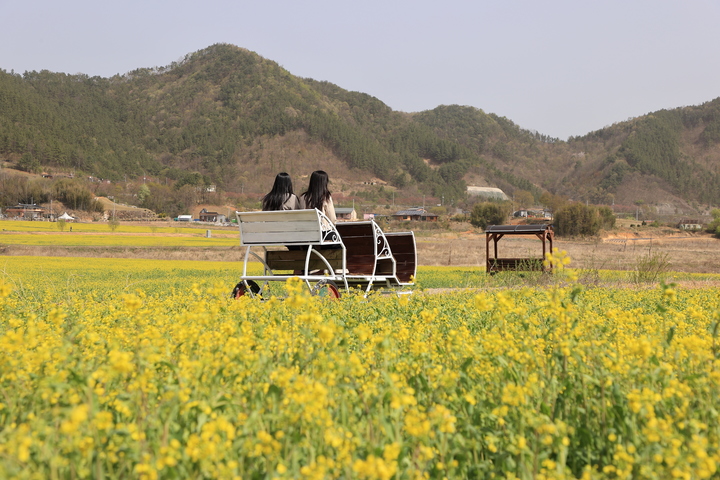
359,244
350,229
360,264
295,259
403,248
384,267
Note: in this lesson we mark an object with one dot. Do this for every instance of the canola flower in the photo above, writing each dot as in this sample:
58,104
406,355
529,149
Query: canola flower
171,379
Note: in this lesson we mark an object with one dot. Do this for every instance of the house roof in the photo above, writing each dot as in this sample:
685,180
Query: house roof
415,212
533,228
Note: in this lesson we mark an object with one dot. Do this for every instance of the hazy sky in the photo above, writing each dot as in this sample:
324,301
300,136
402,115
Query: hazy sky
561,67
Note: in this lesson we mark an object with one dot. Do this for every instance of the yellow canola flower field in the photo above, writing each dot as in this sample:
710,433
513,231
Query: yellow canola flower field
106,375
99,235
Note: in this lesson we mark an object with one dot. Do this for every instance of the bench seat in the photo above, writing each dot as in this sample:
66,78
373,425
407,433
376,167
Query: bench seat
513,264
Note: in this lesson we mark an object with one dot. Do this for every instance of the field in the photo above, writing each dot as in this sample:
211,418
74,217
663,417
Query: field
115,368
463,247
136,368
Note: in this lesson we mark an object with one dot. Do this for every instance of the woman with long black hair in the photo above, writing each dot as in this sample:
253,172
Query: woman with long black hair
318,196
281,197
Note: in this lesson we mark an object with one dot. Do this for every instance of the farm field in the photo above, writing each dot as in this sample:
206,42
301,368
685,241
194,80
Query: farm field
46,234
120,368
689,253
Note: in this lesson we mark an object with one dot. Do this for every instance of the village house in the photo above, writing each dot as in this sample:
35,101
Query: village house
26,211
345,214
690,224
417,214
212,217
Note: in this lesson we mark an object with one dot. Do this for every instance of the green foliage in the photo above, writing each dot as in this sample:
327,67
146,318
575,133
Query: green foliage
523,198
29,163
607,217
580,219
714,226
489,213
143,193
654,148
16,189
614,175
711,134
61,225
113,224
75,195
169,201
199,115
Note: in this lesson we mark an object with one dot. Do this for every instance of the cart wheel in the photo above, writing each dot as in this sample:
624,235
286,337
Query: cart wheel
240,289
326,288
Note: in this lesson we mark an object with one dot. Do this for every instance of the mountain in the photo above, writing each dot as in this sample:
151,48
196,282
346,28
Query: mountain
226,116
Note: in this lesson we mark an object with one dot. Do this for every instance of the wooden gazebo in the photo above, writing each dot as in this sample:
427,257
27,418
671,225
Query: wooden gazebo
494,233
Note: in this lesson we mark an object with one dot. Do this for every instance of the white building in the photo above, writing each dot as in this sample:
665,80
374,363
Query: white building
491,193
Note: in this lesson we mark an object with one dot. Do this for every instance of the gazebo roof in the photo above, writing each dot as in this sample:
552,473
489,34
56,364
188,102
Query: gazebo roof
519,229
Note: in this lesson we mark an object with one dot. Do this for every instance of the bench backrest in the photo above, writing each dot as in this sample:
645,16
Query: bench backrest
286,227
405,253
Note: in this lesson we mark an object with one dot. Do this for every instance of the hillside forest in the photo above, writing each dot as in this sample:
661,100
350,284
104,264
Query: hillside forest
217,126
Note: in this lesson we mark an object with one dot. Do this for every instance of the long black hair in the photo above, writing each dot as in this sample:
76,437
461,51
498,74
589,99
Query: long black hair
281,191
317,193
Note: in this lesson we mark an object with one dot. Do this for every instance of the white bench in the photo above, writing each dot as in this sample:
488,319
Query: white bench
306,244
295,243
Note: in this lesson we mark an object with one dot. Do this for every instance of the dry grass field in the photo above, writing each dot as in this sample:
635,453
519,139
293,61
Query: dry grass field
687,253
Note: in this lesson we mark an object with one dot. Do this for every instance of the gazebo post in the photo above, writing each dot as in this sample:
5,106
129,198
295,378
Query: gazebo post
487,252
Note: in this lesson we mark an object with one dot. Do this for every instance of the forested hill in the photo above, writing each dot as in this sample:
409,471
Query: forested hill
226,116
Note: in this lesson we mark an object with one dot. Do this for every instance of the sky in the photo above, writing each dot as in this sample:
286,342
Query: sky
560,67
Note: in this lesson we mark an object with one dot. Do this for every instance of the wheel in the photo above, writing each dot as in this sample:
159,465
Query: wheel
326,288
241,289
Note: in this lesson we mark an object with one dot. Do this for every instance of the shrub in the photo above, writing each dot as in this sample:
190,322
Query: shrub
714,226
580,219
489,213
650,268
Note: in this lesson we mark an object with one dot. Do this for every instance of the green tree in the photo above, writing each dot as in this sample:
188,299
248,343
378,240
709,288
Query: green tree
523,198
29,163
143,193
61,225
489,213
714,226
580,219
